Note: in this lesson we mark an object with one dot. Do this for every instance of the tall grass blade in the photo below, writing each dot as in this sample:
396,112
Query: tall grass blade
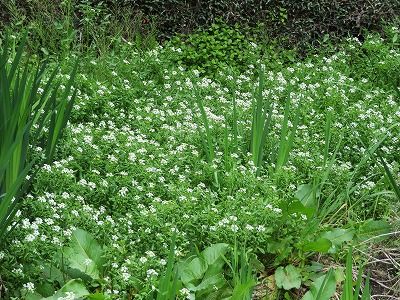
366,294
328,135
60,113
348,283
286,140
168,283
391,178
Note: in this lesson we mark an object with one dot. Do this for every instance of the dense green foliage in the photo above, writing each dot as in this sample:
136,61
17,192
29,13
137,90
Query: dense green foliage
217,164
156,151
292,22
219,46
298,21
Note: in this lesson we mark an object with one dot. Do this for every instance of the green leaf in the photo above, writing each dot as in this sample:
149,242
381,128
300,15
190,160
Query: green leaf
216,281
33,296
395,38
98,296
308,195
243,290
53,273
74,286
366,294
337,237
372,229
391,178
194,270
321,245
288,277
214,252
323,288
299,208
46,289
84,254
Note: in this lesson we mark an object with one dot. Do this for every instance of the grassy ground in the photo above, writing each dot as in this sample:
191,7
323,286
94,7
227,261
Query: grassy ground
155,149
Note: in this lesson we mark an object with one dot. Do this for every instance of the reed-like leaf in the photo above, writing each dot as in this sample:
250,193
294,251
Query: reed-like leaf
21,108
261,120
391,178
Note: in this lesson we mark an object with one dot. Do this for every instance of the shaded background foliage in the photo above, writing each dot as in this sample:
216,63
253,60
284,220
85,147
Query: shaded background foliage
294,23
302,20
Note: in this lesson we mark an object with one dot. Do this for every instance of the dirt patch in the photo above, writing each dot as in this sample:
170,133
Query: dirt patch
384,269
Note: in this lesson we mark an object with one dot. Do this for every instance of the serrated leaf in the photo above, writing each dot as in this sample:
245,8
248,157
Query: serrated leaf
288,277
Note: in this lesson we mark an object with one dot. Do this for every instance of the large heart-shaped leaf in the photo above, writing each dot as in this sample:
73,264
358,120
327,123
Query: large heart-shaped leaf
288,277
84,254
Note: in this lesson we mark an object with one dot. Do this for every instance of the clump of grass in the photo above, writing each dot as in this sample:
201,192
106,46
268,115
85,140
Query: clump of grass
353,291
261,120
261,123
26,109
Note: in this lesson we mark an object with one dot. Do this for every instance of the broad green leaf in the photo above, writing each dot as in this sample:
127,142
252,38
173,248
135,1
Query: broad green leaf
33,296
98,296
323,288
214,252
194,270
216,281
243,290
45,289
53,273
74,286
373,229
321,245
337,237
288,277
308,195
299,208
84,254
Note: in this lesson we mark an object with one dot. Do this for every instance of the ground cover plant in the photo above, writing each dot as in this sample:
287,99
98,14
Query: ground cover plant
274,179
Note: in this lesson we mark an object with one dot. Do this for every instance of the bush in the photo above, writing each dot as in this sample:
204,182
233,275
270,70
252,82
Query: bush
298,21
217,46
293,22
